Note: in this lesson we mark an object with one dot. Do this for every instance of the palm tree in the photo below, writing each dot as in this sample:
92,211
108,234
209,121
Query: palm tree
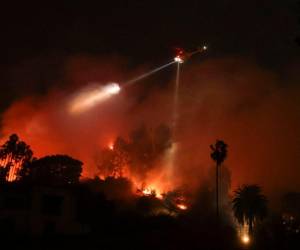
13,154
249,205
8,152
219,154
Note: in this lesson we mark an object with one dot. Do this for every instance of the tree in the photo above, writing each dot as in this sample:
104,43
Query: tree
54,169
137,154
13,155
146,146
141,150
219,154
113,161
224,188
249,205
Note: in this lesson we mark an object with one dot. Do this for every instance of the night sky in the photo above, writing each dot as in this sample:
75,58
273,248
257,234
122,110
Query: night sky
140,28
44,34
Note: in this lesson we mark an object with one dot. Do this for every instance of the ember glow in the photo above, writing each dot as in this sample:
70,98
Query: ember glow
92,96
152,191
245,239
244,234
182,206
111,146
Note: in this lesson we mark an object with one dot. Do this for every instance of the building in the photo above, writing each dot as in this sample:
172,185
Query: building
39,210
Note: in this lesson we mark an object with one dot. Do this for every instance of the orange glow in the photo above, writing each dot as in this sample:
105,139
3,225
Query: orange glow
13,170
45,124
182,206
245,239
147,191
244,234
111,146
151,191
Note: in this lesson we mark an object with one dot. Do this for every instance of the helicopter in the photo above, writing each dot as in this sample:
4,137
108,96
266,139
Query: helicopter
182,55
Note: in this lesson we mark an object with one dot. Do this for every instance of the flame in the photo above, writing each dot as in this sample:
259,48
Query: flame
111,146
244,234
245,239
182,206
152,191
147,191
154,184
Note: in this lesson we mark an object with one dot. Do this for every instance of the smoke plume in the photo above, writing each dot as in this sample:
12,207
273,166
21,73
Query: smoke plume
254,110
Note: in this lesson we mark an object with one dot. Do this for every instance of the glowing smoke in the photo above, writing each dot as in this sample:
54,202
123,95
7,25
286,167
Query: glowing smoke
248,107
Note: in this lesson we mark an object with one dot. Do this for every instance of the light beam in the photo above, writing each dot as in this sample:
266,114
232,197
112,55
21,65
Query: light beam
92,96
148,73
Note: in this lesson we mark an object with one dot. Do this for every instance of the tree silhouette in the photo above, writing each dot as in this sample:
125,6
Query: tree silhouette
112,161
219,154
146,146
249,205
54,169
13,155
137,154
141,150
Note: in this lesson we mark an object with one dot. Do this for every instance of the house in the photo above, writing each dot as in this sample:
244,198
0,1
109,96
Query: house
39,210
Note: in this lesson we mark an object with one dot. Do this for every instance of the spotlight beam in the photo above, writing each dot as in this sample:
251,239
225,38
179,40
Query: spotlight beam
175,100
90,97
134,80
93,96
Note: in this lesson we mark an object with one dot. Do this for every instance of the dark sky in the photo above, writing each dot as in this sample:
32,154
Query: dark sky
140,28
36,38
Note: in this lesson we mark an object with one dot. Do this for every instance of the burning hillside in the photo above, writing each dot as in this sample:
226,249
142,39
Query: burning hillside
219,98
141,158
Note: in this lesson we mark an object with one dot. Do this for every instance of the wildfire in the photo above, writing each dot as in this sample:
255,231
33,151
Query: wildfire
244,235
151,191
182,206
111,146
245,239
147,191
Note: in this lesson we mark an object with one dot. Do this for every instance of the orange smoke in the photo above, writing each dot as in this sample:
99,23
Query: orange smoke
253,111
